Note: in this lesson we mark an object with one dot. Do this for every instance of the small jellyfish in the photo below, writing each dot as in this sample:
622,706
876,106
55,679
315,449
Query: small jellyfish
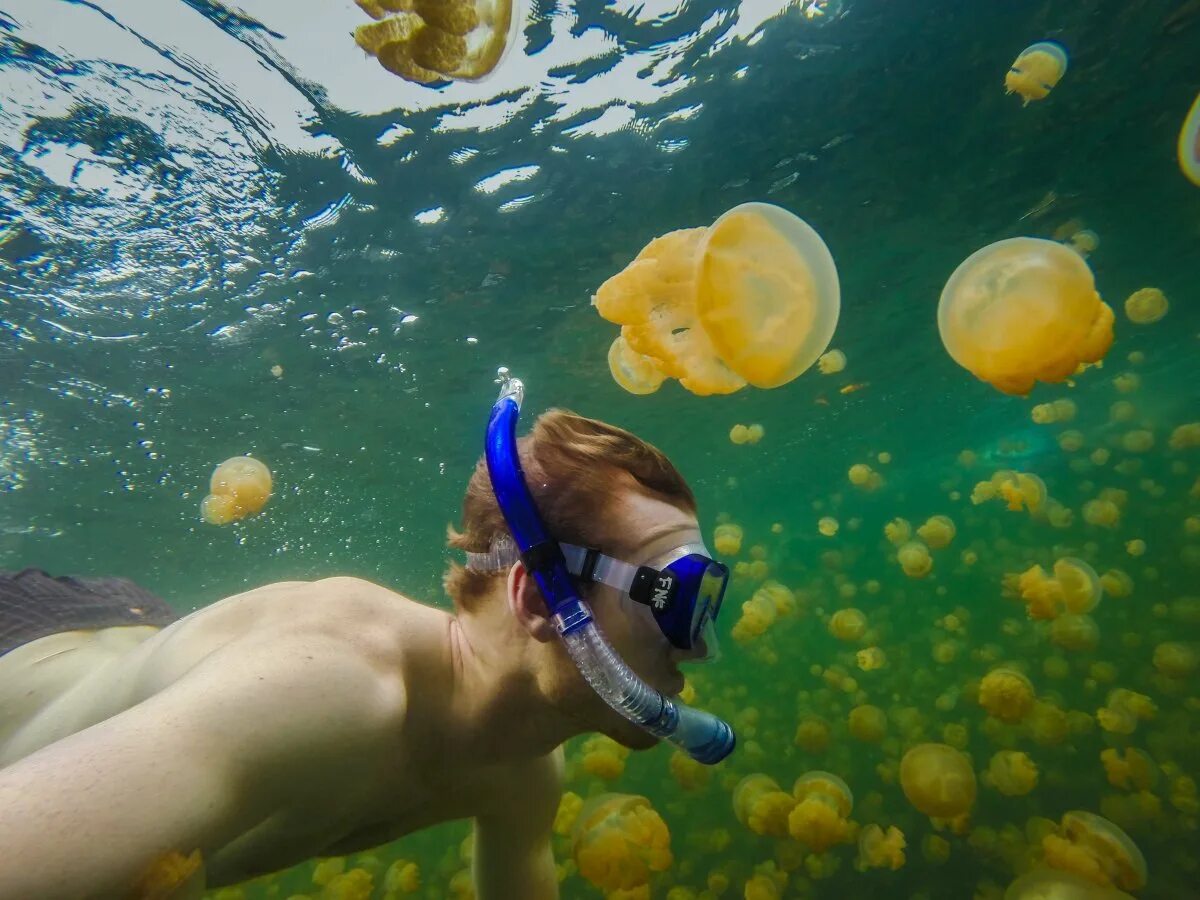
1077,632
1189,144
1006,694
828,526
1146,306
754,433
1079,587
860,474
1084,242
898,532
867,723
870,659
438,40
938,780
819,818
915,560
832,362
1175,659
1036,70
878,849
239,487
604,758
1012,773
1185,436
937,532
1023,310
619,840
635,373
761,806
727,539
1097,850
1132,771
812,736
848,624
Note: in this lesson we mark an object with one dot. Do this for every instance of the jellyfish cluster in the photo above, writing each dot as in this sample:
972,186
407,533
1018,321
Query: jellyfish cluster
428,41
752,299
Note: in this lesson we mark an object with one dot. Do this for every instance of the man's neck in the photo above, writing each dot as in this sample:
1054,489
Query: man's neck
502,705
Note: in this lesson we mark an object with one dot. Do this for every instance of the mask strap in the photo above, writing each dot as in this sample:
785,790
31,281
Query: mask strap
592,565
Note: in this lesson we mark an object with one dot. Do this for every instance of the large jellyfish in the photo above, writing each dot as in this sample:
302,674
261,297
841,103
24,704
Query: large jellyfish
438,40
752,299
1036,70
619,840
1023,310
1189,144
1097,850
938,780
239,487
819,818
761,806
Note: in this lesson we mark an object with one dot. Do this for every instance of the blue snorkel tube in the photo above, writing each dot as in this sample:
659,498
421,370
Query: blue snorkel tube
701,735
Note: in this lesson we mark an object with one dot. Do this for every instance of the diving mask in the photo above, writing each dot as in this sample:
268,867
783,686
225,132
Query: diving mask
683,588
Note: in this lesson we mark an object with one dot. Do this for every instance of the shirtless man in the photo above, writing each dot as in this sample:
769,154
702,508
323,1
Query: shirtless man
318,718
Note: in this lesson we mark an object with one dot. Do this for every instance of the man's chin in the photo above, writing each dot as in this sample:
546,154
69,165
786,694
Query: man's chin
629,735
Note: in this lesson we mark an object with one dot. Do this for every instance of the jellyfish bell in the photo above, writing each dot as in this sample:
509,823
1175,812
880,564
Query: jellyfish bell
1189,144
768,293
239,487
1036,70
1023,310
938,780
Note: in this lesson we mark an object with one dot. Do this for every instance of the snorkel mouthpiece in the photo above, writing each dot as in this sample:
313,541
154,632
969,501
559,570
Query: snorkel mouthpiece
701,735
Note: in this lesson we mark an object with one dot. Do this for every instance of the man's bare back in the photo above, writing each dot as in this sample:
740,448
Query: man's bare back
305,718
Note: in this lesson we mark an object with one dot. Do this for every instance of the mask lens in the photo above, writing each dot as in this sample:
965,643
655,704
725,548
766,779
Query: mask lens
709,594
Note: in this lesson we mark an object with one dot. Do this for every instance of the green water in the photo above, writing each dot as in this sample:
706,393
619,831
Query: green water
133,364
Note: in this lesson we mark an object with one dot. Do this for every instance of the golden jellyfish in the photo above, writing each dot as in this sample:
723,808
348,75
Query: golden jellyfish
1133,770
870,659
1023,310
819,818
898,532
828,526
1075,631
1095,849
1135,547
1071,441
1012,773
619,840
754,433
1185,437
1084,242
1006,694
1054,884
752,299
1175,659
758,614
860,474
938,780
636,373
1127,382
867,723
937,532
812,736
437,40
1146,306
1189,144
832,362
604,758
879,849
1101,512
761,806
727,539
739,434
239,487
1036,71
1079,586
915,560
848,624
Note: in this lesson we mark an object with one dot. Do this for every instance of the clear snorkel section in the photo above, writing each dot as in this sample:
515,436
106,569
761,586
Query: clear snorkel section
701,735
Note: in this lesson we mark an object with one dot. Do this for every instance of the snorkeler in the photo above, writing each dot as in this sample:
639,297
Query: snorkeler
320,718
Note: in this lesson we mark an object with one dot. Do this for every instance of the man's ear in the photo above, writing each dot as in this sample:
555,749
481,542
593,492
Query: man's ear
528,606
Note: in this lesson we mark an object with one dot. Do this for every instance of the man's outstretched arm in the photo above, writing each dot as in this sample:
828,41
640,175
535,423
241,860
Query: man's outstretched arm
192,768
